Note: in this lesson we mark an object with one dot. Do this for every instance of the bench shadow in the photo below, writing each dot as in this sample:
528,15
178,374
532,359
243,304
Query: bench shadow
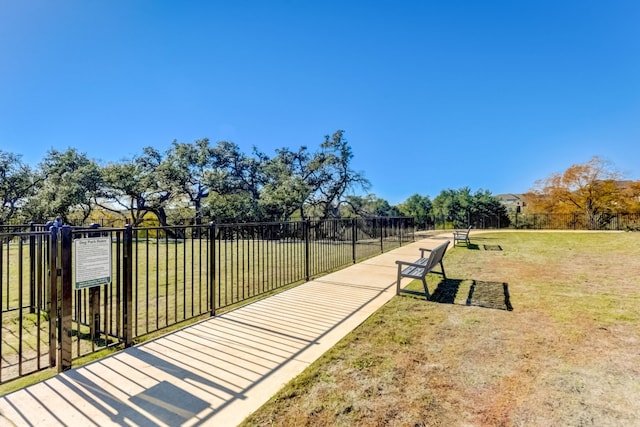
446,291
481,243
477,247
489,295
484,294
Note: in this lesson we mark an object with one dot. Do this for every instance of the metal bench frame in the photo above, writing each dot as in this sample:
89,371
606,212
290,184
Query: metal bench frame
462,236
419,268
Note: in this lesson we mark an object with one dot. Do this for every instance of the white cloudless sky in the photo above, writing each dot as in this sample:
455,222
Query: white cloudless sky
431,95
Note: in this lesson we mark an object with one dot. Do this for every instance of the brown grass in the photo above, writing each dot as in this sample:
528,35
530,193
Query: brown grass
567,354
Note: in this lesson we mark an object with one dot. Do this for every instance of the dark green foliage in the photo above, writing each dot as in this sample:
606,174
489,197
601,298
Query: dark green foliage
460,208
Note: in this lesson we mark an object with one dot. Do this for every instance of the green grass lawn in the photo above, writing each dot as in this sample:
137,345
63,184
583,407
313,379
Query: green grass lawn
530,328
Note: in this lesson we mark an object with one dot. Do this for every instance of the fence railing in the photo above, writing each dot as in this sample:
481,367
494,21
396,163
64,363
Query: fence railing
157,278
25,295
576,221
550,221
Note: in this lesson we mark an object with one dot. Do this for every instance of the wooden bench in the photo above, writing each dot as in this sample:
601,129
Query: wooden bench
419,268
461,236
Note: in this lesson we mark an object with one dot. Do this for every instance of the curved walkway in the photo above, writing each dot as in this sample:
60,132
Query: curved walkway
218,371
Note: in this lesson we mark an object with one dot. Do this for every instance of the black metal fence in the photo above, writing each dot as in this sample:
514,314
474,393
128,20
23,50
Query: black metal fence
576,221
548,221
25,292
158,278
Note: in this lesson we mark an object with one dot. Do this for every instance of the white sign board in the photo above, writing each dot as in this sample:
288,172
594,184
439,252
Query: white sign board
93,262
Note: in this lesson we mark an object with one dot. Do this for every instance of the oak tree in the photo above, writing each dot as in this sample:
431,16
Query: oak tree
17,183
68,186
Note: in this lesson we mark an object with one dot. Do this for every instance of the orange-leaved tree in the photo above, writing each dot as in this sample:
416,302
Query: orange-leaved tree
593,189
630,200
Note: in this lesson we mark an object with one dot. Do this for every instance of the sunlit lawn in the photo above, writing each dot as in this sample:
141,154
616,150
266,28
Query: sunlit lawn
566,354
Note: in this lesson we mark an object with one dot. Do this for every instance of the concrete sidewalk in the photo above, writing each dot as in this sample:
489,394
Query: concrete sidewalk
216,372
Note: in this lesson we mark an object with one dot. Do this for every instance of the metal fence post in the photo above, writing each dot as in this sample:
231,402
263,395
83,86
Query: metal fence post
32,268
66,320
354,238
413,230
53,295
379,220
212,267
306,224
127,273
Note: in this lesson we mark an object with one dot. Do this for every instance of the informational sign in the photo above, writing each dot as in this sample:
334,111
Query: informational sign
93,262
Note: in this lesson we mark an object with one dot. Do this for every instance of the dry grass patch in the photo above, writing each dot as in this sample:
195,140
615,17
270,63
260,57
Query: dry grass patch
567,354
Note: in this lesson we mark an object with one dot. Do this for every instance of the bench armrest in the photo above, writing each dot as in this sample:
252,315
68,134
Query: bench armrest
423,250
410,264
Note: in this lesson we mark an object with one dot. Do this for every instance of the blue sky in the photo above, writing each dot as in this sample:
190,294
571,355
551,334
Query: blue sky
431,95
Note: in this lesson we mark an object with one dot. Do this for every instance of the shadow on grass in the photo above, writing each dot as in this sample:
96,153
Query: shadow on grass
485,294
478,247
445,293
490,295
480,243
472,246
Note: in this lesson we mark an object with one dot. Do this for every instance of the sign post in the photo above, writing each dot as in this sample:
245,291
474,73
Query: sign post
93,269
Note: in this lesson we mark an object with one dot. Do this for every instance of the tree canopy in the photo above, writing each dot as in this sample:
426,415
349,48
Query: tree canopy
17,185
194,182
461,208
68,185
594,189
189,181
419,207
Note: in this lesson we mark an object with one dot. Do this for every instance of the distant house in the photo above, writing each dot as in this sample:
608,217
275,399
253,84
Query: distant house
513,202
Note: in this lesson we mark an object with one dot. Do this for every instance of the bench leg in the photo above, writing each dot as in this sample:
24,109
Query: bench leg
426,288
398,281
